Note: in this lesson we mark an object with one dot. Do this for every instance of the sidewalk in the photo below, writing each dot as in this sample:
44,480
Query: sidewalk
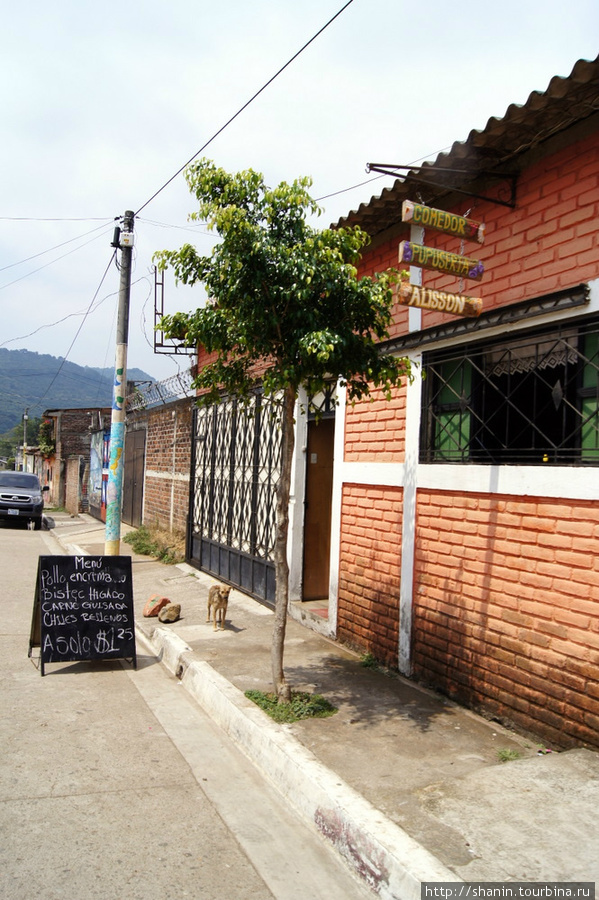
408,786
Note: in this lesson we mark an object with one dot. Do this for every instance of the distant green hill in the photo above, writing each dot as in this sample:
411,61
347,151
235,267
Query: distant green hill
37,381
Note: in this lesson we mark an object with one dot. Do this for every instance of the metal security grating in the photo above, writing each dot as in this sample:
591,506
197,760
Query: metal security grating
236,469
529,400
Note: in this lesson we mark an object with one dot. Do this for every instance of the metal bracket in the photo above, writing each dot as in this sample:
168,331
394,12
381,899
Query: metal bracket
162,344
394,171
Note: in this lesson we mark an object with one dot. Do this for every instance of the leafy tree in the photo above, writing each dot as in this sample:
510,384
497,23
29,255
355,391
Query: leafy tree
12,439
9,443
45,438
285,309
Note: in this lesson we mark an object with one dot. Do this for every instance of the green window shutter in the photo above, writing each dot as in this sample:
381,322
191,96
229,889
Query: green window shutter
589,437
452,416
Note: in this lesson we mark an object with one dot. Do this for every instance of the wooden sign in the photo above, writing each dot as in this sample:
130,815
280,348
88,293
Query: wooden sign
442,301
440,261
83,609
440,220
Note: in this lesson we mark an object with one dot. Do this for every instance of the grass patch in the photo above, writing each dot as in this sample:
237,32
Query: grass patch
367,661
166,546
301,706
508,755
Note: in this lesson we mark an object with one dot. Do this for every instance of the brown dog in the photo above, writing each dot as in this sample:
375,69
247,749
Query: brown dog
218,598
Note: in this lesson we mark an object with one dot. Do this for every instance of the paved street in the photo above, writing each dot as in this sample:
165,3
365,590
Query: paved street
114,784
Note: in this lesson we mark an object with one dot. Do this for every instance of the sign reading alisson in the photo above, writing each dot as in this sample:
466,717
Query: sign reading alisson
442,301
440,261
440,220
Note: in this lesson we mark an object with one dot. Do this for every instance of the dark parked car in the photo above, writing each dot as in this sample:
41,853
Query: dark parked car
21,497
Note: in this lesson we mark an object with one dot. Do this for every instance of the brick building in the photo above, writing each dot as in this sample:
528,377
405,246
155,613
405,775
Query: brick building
453,532
66,471
157,455
157,465
468,546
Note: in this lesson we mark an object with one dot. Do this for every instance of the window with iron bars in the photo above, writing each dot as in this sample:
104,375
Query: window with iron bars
528,400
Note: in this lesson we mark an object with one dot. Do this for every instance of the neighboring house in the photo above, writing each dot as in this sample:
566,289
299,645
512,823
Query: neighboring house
158,450
65,466
27,459
467,552
453,532
98,468
157,455
157,465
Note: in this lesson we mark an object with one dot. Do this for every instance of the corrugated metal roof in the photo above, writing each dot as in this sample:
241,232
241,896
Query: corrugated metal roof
495,148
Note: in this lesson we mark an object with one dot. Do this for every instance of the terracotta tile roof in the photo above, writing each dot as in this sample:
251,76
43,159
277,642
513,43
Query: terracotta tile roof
492,150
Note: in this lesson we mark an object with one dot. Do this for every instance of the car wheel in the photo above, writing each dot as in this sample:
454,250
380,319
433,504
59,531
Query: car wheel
37,524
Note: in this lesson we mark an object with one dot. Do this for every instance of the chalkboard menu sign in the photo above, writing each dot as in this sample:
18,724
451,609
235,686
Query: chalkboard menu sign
83,609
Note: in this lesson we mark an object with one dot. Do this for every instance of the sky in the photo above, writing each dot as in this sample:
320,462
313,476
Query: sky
103,103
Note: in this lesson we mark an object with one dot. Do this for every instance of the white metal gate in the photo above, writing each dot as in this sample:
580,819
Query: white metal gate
235,470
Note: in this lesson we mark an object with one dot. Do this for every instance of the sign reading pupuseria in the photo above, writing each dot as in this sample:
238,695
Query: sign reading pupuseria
440,260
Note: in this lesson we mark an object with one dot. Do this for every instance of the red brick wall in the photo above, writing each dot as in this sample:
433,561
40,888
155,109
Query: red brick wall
379,257
506,590
549,242
506,614
168,457
368,616
74,435
375,429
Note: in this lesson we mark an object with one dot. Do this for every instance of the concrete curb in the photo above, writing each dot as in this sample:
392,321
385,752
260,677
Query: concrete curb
377,850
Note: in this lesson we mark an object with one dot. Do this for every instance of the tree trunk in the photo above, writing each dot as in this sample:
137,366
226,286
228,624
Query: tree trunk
282,689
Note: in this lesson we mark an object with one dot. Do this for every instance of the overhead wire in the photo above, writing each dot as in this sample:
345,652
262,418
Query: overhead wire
54,219
45,266
346,190
163,186
245,105
72,315
109,347
378,177
55,247
194,229
142,316
153,196
235,116
65,357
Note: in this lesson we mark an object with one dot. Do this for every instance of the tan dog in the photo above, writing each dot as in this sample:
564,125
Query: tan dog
218,598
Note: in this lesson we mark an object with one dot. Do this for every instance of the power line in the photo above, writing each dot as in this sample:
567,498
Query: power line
352,188
245,106
81,312
78,376
377,177
52,261
194,229
66,356
56,247
155,194
54,219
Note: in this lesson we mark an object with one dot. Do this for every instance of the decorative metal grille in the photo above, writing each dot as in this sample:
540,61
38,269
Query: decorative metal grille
236,470
324,404
530,400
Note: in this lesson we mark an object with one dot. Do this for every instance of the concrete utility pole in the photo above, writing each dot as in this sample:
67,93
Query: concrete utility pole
123,240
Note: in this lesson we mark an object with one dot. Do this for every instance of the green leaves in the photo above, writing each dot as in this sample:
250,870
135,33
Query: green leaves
320,344
286,304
